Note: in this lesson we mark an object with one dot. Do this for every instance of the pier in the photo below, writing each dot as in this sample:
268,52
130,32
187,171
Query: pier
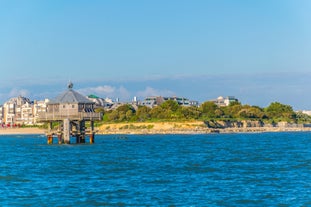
70,115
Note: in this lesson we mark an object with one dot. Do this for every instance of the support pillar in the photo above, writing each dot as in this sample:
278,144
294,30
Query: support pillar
50,139
78,139
66,131
50,126
60,139
92,135
92,126
92,138
82,131
82,138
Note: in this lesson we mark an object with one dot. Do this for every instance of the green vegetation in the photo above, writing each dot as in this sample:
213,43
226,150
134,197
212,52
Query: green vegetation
171,111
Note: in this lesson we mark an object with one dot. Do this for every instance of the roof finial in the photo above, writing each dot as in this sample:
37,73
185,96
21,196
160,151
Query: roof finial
70,85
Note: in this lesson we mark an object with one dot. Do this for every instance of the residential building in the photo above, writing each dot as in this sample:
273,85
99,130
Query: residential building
39,107
101,102
21,111
27,114
153,101
12,110
306,112
1,114
221,101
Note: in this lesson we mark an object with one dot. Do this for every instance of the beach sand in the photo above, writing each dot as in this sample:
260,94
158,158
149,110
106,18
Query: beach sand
32,130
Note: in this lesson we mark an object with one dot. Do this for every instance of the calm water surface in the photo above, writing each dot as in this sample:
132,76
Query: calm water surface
267,169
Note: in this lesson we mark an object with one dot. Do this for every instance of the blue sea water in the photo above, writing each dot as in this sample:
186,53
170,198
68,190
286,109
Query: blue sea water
264,169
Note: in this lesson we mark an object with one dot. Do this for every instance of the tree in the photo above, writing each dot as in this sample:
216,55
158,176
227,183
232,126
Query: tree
170,105
143,113
232,111
190,112
208,109
113,115
167,110
280,112
250,112
125,108
303,118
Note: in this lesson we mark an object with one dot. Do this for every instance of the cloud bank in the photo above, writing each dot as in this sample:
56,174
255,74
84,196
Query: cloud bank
253,89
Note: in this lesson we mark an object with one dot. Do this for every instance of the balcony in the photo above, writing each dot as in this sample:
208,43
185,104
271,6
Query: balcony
79,116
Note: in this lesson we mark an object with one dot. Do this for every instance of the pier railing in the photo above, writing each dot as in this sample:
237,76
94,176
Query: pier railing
87,116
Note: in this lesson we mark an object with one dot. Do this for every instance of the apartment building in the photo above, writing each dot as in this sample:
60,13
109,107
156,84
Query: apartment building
21,111
12,110
1,114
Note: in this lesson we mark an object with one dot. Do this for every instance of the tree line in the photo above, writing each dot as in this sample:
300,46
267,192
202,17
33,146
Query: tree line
171,111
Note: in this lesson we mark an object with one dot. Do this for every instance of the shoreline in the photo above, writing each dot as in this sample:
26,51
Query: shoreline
22,131
194,127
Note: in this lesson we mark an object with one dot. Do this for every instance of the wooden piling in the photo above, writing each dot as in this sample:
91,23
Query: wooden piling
60,139
92,138
50,139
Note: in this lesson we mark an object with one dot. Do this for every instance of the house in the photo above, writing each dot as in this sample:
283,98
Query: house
100,102
221,101
153,101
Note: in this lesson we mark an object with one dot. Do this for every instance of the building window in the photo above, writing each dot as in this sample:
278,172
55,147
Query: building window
72,106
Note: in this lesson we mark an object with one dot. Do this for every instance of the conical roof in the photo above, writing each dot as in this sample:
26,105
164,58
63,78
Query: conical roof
70,96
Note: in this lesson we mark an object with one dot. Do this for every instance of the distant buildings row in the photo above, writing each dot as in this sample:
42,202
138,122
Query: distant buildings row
23,111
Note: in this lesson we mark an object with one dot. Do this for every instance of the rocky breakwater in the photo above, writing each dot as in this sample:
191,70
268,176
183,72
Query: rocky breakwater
227,126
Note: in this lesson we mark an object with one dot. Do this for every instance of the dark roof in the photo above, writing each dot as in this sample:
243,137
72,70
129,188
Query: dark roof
71,96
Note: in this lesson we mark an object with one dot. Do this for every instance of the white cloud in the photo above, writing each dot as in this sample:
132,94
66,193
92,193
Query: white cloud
18,92
103,89
107,91
149,91
123,93
99,90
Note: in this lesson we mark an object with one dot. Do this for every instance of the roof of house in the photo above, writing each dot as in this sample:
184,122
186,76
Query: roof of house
70,96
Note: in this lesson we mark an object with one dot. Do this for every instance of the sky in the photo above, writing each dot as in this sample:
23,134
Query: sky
257,51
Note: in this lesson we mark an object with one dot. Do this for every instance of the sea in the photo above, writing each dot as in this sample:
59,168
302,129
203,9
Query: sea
256,169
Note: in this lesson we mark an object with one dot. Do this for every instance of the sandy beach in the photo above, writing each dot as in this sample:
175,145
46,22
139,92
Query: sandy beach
32,130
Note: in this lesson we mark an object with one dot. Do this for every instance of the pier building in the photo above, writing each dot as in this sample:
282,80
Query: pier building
74,116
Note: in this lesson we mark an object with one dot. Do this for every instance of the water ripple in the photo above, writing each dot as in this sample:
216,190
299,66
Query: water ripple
267,169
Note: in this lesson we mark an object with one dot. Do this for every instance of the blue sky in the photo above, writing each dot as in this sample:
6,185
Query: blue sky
258,51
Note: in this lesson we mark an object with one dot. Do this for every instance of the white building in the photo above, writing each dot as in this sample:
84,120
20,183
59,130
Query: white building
152,101
221,101
1,114
12,110
106,103
21,111
39,107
